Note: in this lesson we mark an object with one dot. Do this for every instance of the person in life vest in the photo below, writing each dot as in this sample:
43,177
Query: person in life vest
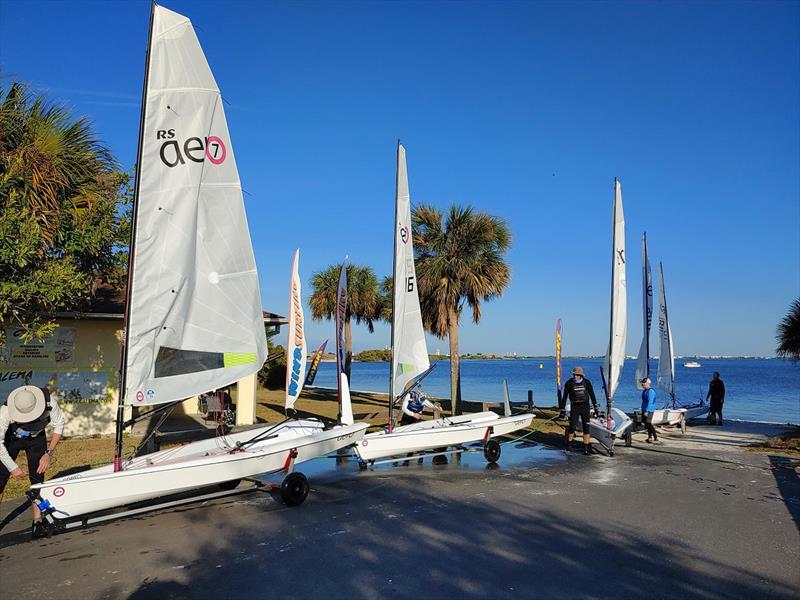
413,405
648,407
580,392
23,420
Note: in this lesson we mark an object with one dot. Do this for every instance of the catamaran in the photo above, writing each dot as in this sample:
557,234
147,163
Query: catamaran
410,363
673,413
193,317
614,424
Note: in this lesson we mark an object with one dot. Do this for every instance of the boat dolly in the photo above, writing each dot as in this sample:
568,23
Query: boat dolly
293,489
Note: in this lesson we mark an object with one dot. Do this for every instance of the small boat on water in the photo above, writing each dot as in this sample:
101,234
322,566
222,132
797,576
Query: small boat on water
692,365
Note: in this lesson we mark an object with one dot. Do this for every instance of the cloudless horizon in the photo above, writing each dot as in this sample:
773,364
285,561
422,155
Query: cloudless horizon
526,110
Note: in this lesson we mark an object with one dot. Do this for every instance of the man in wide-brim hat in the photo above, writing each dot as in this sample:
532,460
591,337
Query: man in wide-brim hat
23,419
580,392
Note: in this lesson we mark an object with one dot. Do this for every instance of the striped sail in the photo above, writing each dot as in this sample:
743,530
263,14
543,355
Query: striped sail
615,355
409,350
296,342
194,313
643,360
666,356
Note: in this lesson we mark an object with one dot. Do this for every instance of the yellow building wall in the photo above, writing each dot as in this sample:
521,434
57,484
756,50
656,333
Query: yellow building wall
79,363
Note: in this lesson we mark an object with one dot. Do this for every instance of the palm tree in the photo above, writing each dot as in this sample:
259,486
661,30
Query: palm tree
789,333
59,219
460,260
47,160
363,300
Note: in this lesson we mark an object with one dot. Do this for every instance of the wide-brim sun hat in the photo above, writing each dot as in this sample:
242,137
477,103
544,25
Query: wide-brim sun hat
25,404
578,371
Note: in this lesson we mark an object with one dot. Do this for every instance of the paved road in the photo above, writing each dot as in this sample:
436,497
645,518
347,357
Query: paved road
693,517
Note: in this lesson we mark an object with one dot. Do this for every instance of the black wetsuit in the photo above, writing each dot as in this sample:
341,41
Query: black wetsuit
716,391
579,394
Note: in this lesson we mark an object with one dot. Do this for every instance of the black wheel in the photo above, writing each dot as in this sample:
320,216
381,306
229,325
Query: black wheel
492,451
362,466
229,485
294,489
628,438
441,459
611,452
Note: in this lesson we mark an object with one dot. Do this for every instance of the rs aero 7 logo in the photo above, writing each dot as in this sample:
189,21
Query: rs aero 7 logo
174,151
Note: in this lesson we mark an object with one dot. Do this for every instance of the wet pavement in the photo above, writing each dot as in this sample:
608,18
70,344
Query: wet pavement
696,516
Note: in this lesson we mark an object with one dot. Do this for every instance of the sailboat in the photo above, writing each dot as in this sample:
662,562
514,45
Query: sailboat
410,362
614,424
193,318
672,413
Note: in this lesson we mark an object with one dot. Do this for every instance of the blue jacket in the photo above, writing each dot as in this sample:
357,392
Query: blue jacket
648,400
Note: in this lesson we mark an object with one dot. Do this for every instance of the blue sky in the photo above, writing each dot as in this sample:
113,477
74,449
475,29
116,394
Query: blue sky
525,110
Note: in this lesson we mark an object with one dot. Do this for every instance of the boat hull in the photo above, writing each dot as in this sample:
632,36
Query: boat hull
438,433
193,466
605,436
669,416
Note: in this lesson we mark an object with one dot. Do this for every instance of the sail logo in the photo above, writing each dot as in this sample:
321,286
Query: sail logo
195,149
404,233
297,355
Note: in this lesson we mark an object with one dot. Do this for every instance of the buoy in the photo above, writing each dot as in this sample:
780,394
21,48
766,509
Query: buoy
541,366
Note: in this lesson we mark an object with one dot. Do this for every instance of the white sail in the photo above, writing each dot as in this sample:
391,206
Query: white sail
194,316
643,361
409,350
666,356
341,313
296,342
615,356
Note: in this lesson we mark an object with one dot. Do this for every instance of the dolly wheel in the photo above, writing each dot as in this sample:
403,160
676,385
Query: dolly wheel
294,489
628,438
229,485
611,452
492,451
683,423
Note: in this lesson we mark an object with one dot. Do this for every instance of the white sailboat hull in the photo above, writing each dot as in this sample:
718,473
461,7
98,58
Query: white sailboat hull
697,410
669,416
605,436
193,466
439,433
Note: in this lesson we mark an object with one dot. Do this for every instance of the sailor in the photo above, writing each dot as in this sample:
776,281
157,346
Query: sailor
413,405
648,407
580,392
716,391
23,420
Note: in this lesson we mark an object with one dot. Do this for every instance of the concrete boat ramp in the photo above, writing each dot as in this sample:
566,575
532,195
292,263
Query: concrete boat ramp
699,515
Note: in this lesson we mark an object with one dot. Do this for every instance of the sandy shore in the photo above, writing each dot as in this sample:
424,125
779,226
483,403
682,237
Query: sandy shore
699,515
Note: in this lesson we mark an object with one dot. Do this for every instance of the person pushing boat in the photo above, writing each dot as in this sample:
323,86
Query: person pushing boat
413,405
580,392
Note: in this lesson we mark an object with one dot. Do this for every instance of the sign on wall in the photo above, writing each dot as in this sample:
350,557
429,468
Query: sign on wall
51,362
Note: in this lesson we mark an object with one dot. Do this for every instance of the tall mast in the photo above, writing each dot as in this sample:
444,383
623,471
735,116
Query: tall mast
134,214
609,376
394,287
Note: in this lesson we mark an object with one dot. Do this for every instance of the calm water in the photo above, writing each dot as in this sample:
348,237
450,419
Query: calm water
755,389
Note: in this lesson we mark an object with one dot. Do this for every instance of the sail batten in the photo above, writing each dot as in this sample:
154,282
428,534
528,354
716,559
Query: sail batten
194,315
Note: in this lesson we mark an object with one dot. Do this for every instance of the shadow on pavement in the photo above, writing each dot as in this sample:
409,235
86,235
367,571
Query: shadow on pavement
785,471
392,536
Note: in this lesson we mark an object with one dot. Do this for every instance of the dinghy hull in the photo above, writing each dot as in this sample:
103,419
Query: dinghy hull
193,466
439,433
